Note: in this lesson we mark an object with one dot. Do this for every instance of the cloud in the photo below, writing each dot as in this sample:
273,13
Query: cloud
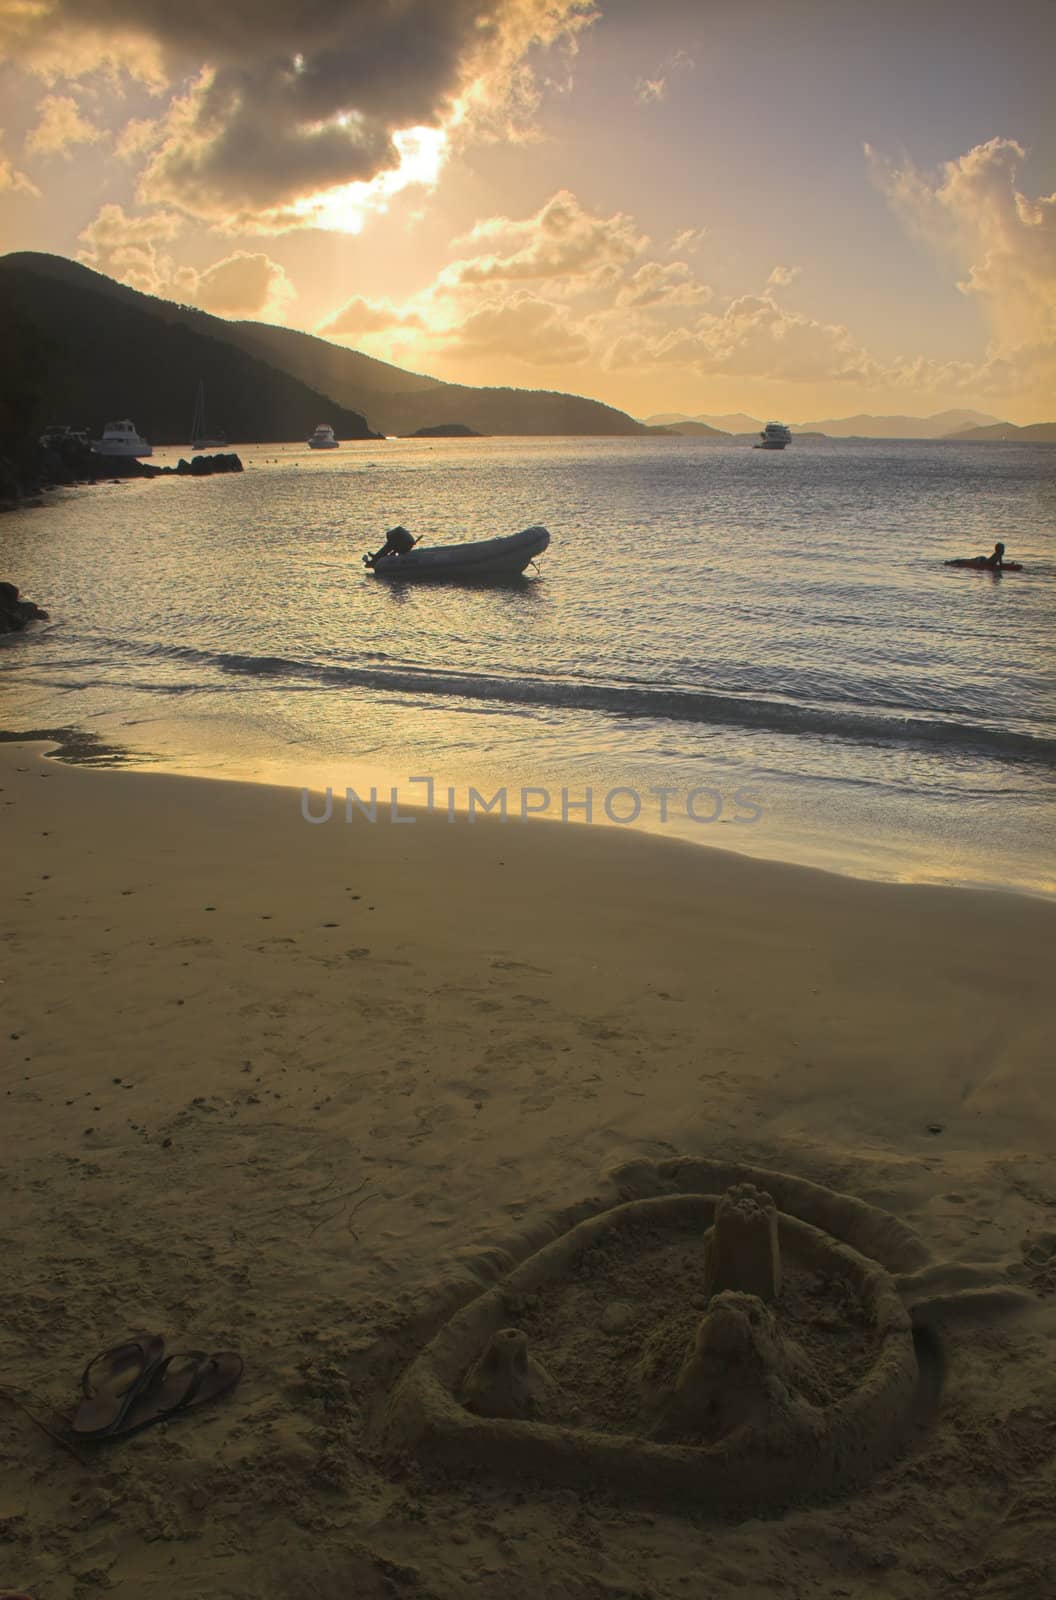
358,317
61,41
506,295
753,338
243,285
562,241
524,328
130,249
232,151
686,241
289,99
1003,244
781,277
655,285
61,126
138,135
648,90
13,181
135,250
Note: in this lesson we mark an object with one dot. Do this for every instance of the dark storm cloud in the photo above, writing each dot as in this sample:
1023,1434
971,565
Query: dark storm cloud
295,95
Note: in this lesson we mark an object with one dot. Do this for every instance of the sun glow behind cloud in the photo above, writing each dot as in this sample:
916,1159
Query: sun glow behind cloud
345,209
270,120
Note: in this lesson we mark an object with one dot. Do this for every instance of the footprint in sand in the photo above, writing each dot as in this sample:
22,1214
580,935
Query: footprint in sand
537,1102
600,1029
1039,1262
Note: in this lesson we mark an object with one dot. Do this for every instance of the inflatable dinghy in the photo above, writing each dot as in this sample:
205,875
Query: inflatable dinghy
484,560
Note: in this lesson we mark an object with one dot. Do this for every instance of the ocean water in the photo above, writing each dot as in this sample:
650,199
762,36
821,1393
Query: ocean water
757,650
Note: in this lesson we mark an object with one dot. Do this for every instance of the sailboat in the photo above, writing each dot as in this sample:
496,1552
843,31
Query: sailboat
200,439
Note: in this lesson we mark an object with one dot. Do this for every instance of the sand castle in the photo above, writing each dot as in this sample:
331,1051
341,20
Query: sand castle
741,1349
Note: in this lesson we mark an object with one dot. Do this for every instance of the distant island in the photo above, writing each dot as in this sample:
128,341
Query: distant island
1033,433
943,425
445,430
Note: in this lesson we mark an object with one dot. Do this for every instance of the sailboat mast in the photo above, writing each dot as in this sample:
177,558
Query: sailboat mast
198,420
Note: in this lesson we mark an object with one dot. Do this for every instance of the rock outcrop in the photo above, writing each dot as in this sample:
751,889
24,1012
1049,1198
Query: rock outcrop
202,466
64,462
16,613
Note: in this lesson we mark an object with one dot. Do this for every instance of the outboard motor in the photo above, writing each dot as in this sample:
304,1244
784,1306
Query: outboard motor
398,542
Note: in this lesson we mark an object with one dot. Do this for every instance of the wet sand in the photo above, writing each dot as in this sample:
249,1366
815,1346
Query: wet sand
297,1090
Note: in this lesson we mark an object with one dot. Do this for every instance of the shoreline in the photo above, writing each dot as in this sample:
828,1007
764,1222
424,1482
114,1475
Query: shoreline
226,1029
81,747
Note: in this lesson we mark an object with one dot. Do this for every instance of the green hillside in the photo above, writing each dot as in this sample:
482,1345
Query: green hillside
75,355
393,401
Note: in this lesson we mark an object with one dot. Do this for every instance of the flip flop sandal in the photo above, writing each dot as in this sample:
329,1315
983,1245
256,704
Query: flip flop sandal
110,1383
184,1380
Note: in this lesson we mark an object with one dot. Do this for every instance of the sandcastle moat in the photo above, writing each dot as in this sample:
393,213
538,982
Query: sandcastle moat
743,1348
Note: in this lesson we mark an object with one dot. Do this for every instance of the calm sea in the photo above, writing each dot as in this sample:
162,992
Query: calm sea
759,650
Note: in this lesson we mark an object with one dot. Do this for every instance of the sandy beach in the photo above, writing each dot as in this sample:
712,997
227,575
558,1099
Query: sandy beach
299,1091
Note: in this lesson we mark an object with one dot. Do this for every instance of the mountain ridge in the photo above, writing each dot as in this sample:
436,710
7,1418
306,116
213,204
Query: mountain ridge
1031,433
941,425
391,399
74,356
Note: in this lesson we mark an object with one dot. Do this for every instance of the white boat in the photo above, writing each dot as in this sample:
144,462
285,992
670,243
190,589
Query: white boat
483,561
200,439
121,439
774,437
323,438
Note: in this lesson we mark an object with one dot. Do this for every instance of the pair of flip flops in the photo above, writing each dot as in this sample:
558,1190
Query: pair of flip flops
136,1384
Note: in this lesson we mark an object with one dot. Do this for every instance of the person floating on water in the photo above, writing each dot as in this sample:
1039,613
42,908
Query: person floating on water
994,562
398,542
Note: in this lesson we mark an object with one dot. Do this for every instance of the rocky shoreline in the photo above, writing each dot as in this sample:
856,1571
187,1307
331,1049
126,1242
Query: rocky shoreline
30,469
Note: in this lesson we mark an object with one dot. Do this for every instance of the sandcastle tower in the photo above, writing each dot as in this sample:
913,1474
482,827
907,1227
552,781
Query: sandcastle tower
742,1250
507,1381
740,1372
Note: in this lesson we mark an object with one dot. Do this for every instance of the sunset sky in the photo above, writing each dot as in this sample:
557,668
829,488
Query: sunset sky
797,208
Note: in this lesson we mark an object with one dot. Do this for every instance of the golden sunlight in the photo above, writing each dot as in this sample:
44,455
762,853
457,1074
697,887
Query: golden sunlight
344,210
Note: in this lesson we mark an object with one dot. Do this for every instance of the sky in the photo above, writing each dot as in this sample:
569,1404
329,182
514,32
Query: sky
794,208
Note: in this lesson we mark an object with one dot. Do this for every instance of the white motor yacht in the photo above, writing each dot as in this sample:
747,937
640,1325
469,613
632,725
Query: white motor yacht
323,438
774,437
121,439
